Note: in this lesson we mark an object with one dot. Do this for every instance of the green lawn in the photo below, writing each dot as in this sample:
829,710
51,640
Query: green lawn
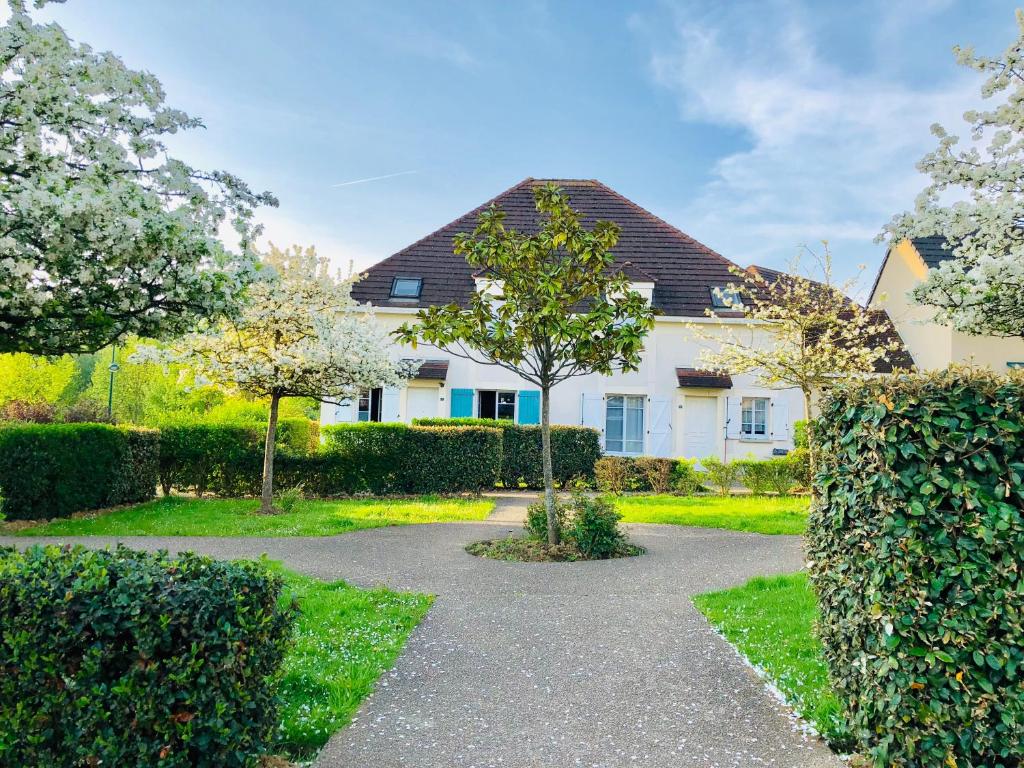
771,621
756,514
345,638
179,516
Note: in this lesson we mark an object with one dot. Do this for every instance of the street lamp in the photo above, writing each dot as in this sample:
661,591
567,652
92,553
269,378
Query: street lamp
113,368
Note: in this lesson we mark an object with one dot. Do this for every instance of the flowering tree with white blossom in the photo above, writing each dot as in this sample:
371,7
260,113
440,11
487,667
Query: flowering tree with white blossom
102,234
299,334
805,331
976,202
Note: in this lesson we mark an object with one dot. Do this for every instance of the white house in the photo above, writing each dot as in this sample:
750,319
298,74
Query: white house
931,345
667,408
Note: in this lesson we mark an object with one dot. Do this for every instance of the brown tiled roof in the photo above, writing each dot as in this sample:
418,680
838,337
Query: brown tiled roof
435,370
683,270
693,377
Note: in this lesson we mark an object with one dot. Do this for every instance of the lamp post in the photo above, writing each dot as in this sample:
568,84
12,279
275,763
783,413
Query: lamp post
113,368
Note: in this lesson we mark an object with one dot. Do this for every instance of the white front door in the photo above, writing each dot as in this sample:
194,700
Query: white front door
421,402
700,419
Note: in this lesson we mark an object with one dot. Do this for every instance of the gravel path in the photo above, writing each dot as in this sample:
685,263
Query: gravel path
603,664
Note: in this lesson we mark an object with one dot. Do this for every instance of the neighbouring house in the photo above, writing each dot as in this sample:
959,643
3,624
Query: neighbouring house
932,345
667,408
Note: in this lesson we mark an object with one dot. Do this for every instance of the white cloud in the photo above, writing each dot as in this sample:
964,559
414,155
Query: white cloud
831,154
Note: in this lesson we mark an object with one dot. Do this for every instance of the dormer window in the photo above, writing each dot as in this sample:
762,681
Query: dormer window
724,297
406,287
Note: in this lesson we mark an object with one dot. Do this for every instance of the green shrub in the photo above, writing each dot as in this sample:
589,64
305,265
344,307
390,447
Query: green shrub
298,435
800,465
536,524
594,527
916,539
289,499
395,458
616,474
761,476
800,434
574,451
54,470
126,658
656,475
721,475
686,480
225,459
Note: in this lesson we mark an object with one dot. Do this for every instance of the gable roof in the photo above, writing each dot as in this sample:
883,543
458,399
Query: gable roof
683,270
933,250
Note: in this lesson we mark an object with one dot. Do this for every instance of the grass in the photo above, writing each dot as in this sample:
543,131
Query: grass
771,621
755,514
345,638
179,516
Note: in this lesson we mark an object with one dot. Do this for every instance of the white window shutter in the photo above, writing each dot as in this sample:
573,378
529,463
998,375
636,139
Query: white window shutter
389,400
780,420
734,417
345,411
660,441
592,412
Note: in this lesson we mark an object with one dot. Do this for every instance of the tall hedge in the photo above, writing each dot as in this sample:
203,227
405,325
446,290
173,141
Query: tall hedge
574,450
917,548
128,659
54,470
396,458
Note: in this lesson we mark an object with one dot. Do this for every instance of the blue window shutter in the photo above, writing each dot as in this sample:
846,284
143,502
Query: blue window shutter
529,406
462,403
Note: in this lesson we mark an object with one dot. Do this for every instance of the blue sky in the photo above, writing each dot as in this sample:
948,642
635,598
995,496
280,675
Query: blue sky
754,127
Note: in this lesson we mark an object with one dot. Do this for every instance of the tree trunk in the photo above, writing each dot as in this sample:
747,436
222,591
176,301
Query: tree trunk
267,499
554,535
811,459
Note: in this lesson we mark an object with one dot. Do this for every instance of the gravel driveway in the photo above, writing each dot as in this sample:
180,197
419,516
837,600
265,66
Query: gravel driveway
602,664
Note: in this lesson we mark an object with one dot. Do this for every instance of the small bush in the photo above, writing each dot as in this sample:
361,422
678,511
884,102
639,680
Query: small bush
594,527
54,470
656,474
800,466
289,499
916,541
536,524
574,451
721,475
86,412
685,479
800,434
616,474
774,475
23,410
126,658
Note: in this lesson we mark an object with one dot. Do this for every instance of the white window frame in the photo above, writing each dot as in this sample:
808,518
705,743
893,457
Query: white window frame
748,428
626,410
497,394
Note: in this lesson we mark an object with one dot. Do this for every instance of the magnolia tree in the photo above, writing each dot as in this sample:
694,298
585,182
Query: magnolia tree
553,308
981,290
101,233
299,334
804,332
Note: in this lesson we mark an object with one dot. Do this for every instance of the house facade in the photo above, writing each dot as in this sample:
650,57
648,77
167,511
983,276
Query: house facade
931,345
667,408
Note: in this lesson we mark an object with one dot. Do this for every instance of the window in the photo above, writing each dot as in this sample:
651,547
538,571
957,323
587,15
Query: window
493,404
754,419
624,424
723,297
368,406
406,287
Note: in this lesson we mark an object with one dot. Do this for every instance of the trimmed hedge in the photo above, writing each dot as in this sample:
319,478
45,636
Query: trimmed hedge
618,474
128,658
574,450
54,470
396,458
917,546
775,475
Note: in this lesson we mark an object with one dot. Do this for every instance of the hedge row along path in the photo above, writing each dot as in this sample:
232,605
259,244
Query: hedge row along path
552,664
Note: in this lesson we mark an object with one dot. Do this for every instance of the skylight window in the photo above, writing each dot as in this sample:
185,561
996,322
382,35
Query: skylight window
406,287
724,297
